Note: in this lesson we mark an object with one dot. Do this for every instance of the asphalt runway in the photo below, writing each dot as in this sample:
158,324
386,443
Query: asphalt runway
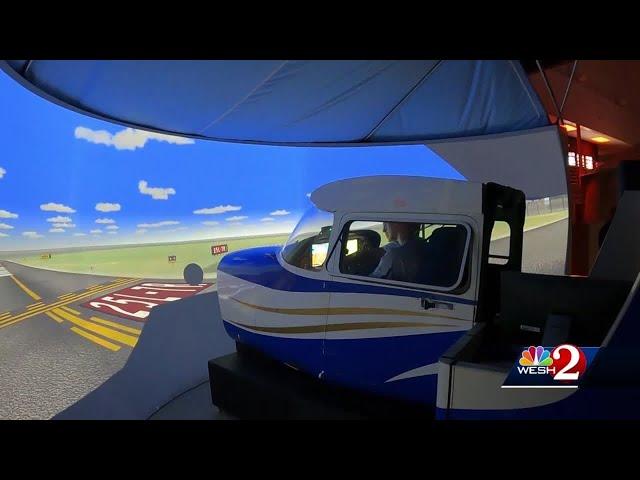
47,283
544,248
53,351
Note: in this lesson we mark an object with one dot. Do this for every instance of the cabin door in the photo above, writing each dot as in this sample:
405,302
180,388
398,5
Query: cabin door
392,315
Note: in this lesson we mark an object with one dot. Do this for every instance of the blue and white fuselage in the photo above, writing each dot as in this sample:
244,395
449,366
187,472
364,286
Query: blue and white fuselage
368,333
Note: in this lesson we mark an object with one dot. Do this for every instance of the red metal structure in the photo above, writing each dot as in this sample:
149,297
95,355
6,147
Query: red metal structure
600,112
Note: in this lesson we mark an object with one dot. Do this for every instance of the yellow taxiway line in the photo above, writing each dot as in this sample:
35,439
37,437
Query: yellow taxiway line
93,330
54,317
124,328
45,308
70,310
67,295
26,289
99,329
100,341
93,326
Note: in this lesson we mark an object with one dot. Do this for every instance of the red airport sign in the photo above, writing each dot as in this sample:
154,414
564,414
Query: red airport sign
219,249
135,303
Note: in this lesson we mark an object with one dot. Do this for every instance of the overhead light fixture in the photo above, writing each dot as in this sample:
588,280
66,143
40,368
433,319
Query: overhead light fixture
568,128
600,139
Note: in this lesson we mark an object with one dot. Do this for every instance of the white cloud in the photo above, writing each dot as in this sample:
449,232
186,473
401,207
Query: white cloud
267,219
79,234
141,231
59,219
112,233
31,234
56,207
6,214
4,226
279,213
2,172
97,230
105,220
210,222
3,234
176,229
127,139
158,224
108,207
113,227
101,137
57,230
237,218
64,225
217,210
157,193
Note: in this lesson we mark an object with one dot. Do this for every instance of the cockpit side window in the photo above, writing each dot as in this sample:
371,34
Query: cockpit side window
308,244
430,254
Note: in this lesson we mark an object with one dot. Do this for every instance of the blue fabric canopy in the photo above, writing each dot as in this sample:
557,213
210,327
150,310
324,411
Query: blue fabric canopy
294,102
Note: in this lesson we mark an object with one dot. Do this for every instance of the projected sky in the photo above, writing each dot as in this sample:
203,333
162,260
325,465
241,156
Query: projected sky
71,180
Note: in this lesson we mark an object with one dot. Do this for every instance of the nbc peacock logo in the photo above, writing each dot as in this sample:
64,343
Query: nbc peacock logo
536,361
550,367
536,356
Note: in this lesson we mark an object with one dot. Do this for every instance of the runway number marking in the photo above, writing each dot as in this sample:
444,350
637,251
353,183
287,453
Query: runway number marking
135,303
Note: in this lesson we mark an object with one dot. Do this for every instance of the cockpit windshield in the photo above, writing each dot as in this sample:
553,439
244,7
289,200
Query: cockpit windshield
308,245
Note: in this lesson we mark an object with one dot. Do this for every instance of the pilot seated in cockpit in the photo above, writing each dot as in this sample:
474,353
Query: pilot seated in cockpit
404,243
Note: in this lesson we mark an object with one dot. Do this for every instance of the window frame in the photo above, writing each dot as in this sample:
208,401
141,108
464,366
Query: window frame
333,262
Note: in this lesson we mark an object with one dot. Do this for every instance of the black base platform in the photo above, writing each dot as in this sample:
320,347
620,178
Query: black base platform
251,386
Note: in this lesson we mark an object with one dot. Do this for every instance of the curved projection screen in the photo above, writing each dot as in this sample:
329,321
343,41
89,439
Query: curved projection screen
83,195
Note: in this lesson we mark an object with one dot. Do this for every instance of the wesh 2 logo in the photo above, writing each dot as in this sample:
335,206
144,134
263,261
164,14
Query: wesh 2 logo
540,367
565,362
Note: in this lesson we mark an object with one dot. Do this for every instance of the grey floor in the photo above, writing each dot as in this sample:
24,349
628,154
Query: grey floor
194,404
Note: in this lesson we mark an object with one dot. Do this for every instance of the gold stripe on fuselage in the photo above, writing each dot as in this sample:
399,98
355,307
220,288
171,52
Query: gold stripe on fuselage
341,327
345,311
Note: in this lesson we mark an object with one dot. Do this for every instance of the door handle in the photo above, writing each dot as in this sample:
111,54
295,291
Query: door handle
428,304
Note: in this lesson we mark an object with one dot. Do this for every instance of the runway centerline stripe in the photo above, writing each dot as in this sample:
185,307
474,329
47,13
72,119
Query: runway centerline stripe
124,328
104,331
26,289
36,311
96,339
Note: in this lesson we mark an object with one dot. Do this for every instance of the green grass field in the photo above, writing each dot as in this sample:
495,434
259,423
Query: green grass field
151,261
144,261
